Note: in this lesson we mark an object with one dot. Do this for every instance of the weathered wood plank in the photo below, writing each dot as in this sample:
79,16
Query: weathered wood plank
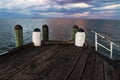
22,56
78,70
109,73
117,73
63,59
40,68
67,68
57,62
22,66
89,68
19,59
99,69
58,42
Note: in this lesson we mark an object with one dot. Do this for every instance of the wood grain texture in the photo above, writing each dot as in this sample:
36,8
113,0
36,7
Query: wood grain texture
56,62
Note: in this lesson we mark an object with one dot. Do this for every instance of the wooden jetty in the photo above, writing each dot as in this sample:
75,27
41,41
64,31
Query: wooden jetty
53,61
56,60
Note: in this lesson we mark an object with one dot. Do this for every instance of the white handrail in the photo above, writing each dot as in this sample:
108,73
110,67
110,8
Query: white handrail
97,43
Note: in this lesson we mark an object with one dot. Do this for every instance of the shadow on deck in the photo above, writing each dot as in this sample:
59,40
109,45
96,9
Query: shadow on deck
56,62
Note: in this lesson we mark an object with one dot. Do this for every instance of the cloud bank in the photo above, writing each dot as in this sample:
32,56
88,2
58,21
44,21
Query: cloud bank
59,9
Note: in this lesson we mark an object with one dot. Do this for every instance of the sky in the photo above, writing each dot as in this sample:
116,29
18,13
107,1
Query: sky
88,9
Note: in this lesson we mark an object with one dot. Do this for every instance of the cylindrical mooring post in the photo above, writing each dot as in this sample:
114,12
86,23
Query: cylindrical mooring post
36,37
18,35
45,31
80,37
74,30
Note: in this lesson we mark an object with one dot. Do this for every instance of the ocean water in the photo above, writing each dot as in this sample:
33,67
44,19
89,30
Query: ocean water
60,29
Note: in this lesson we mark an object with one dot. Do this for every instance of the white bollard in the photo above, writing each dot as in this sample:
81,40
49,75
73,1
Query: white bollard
36,37
80,38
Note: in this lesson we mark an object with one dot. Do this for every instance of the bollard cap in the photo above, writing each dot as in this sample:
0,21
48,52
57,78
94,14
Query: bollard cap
45,26
80,30
18,26
36,30
76,26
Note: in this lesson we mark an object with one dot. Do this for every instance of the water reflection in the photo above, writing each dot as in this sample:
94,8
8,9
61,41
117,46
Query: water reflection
60,29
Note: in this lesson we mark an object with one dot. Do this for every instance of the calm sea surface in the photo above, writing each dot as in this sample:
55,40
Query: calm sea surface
60,29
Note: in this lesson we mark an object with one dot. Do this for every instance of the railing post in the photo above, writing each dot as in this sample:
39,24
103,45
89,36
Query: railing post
111,49
96,41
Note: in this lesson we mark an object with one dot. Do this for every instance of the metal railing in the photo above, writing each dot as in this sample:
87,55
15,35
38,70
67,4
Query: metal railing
99,44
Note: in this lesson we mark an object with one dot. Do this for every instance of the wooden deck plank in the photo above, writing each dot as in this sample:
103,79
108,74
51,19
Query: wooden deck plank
89,68
62,60
41,69
30,61
99,69
40,72
24,54
67,68
59,42
78,70
109,72
117,74
56,62
52,65
21,57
